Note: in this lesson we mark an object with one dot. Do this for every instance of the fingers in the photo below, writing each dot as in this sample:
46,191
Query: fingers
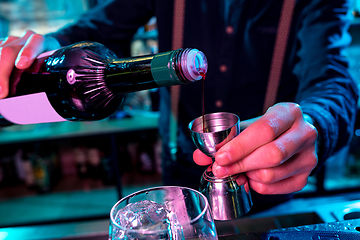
19,51
290,185
287,178
282,162
7,40
6,64
301,163
201,159
299,138
7,59
32,48
277,152
246,123
241,179
276,121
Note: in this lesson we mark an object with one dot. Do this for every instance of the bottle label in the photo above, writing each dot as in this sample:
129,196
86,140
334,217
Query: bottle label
29,109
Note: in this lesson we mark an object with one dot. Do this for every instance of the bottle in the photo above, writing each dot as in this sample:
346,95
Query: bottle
86,81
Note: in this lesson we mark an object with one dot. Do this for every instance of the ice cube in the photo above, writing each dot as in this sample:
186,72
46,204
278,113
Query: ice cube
151,216
143,214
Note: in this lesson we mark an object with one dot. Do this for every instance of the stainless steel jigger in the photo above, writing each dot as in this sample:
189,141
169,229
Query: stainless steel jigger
228,197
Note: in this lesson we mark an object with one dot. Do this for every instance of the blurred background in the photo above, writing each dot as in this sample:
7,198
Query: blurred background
62,172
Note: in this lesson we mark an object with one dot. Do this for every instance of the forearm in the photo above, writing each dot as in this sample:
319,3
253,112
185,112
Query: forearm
327,91
334,118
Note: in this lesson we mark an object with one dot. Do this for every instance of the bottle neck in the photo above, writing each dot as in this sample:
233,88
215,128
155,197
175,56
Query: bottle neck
130,75
164,69
179,67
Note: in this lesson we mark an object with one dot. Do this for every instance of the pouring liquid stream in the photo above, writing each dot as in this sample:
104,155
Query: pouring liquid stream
203,74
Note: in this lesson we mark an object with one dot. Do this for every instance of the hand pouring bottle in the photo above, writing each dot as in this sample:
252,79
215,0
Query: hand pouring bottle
86,81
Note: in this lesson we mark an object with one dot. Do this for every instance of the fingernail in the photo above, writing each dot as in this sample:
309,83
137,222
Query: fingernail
223,158
219,171
22,61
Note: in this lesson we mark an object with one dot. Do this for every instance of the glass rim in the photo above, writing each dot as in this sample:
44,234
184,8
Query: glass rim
152,189
191,124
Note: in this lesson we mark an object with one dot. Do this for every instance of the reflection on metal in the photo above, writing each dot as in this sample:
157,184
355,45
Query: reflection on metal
229,197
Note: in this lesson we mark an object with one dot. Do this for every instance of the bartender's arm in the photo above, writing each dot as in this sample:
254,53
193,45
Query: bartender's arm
278,151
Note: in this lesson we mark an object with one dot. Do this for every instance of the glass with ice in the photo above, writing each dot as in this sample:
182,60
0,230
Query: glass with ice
166,212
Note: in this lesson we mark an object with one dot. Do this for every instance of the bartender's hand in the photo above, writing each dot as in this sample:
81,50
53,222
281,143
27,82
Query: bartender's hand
276,151
21,52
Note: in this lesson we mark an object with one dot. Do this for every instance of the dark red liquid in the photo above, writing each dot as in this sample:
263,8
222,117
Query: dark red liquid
203,98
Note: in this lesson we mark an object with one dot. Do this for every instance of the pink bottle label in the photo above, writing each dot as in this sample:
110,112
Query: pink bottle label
29,109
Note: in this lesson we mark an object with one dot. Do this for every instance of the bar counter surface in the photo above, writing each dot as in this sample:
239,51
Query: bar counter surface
97,230
335,217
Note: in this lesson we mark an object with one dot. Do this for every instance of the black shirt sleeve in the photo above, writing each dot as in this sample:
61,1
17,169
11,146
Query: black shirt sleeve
112,23
327,91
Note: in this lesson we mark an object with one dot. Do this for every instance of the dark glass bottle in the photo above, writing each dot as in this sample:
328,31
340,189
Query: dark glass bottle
86,81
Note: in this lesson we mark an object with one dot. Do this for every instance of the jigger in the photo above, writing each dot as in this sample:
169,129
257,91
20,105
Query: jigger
229,197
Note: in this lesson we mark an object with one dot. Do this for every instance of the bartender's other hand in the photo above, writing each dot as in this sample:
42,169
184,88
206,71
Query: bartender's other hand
21,52
276,151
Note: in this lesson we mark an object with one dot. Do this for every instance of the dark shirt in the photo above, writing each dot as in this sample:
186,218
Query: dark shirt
237,37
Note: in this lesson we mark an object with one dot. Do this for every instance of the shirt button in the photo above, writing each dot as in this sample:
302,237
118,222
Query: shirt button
229,30
218,103
223,68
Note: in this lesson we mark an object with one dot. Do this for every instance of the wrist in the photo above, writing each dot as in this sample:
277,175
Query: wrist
310,120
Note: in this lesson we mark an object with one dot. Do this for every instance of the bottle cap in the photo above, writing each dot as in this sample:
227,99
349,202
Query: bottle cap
194,64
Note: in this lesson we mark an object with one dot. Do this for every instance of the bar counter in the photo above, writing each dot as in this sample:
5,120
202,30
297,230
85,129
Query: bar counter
322,218
97,230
